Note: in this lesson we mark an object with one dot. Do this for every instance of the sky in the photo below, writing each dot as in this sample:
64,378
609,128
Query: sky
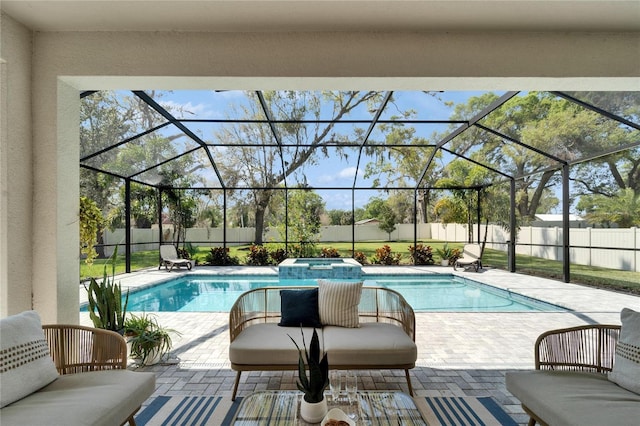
333,171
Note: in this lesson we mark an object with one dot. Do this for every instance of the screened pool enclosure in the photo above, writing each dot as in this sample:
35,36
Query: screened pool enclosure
251,166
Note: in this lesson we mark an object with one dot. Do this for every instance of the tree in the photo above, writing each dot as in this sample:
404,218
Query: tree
304,210
623,209
388,219
256,160
91,223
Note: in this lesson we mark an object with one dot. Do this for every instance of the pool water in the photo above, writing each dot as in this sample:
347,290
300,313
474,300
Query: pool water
425,293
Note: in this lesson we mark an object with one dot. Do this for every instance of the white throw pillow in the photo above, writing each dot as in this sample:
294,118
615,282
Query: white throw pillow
25,363
338,303
626,367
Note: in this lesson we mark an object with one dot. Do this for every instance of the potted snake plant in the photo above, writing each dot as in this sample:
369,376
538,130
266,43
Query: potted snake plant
107,309
313,407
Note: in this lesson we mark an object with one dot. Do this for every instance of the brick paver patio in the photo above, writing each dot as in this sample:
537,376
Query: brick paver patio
459,354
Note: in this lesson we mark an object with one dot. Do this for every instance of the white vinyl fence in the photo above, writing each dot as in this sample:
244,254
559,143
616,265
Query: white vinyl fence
607,248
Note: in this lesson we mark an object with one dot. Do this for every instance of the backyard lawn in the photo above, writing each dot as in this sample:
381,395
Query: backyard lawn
625,281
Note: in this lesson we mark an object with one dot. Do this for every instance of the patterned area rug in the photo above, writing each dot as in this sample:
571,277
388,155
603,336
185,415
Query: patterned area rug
463,411
189,411
219,411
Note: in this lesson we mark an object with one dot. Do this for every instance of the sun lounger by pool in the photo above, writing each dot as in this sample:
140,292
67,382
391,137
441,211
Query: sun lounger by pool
169,258
471,256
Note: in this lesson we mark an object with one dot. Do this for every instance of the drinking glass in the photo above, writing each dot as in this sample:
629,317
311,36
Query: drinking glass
351,386
335,384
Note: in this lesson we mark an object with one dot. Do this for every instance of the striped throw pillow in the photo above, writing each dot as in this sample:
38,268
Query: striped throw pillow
338,303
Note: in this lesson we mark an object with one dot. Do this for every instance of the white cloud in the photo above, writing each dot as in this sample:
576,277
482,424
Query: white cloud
347,173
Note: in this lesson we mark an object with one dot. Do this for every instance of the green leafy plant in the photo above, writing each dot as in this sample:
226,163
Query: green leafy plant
91,222
445,252
421,254
148,340
106,308
316,382
219,256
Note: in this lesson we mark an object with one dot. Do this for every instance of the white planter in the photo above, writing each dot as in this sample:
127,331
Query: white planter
313,412
444,262
154,357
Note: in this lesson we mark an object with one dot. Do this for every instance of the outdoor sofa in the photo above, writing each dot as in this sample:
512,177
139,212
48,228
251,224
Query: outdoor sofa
67,375
584,375
358,327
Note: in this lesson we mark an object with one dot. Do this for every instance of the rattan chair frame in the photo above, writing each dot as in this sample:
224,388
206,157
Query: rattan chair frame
588,348
80,349
262,305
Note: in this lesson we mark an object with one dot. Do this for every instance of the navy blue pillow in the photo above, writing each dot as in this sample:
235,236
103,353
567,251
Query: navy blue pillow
299,308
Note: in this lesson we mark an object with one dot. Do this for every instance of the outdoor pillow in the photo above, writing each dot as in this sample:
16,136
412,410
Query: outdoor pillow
626,368
25,364
338,303
299,308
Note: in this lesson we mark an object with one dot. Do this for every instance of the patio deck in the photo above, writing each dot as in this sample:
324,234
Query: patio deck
459,354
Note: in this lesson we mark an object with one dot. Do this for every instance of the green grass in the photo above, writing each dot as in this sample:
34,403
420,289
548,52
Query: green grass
609,279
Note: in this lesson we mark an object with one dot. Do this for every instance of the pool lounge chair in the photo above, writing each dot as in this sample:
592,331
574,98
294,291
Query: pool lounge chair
169,258
471,256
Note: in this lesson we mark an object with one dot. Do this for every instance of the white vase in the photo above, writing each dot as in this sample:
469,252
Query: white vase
313,412
444,262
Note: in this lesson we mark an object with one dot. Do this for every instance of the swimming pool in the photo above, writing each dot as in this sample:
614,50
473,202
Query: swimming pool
425,293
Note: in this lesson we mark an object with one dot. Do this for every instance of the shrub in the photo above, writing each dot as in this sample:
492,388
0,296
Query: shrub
384,256
360,257
421,254
258,256
278,255
329,252
219,256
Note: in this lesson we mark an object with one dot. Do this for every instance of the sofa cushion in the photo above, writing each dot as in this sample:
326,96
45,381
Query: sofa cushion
574,398
374,344
25,363
95,398
269,344
626,367
338,303
299,308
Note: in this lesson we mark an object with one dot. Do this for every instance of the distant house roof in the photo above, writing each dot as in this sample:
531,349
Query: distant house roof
556,217
373,221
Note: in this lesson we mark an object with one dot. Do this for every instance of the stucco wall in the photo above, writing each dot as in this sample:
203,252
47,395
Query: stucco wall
65,63
15,167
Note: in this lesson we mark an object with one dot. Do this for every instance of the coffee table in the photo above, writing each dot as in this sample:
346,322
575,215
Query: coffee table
376,408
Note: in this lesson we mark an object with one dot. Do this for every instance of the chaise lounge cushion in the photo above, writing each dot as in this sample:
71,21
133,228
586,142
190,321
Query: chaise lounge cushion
626,369
574,398
374,343
25,363
95,398
269,344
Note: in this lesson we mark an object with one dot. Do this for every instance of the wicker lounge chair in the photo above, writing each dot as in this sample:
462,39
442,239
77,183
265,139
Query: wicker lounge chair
471,256
569,384
169,258
93,387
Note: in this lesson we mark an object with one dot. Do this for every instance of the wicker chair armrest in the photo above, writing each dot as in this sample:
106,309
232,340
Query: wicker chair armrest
77,349
584,348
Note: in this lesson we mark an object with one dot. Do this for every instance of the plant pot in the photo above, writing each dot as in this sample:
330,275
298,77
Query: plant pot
313,412
444,262
154,356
